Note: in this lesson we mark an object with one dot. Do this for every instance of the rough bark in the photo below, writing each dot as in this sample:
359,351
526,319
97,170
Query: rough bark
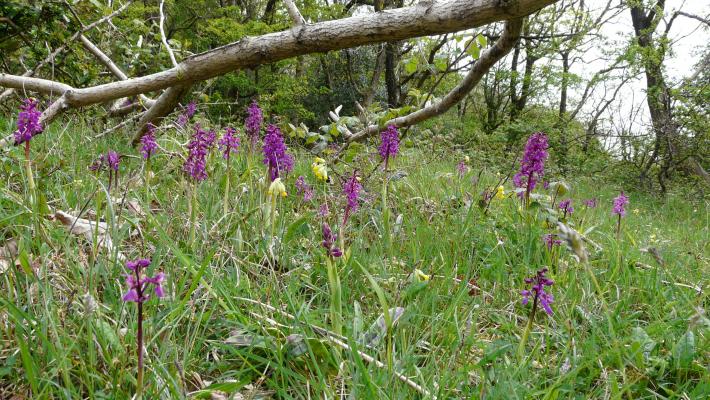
391,81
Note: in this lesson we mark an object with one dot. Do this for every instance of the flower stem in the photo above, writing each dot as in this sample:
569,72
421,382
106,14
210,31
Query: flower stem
528,329
139,340
273,215
193,215
226,188
32,188
336,305
147,182
385,213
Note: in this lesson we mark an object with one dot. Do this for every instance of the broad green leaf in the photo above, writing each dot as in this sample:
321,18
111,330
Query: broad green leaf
411,66
474,51
640,336
297,227
482,41
441,64
684,350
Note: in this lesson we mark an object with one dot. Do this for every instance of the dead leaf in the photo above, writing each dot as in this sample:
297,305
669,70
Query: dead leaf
378,329
8,252
132,205
80,226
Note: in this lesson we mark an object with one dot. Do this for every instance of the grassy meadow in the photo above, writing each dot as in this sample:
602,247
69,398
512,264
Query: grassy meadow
255,308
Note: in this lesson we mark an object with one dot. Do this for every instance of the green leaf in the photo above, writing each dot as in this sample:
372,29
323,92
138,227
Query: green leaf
482,41
296,227
108,332
474,51
642,346
411,66
441,64
24,260
493,351
684,351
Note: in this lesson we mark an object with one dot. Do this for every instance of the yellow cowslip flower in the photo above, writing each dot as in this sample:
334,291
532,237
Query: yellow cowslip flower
500,193
636,211
277,188
319,169
421,276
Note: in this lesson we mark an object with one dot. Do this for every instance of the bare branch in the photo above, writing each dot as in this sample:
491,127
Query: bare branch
105,60
705,20
480,67
163,37
294,13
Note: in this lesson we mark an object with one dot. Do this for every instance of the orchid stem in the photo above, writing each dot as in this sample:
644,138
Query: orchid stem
226,189
528,329
193,215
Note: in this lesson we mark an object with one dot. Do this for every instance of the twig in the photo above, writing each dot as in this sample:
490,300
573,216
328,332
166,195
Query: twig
163,37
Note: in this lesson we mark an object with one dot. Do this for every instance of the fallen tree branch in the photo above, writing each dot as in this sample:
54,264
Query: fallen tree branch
425,18
162,107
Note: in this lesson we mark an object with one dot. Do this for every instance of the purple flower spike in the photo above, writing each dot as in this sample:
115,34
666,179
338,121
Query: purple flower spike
532,166
275,155
112,160
148,144
229,143
566,207
184,118
551,240
200,145
620,203
304,189
461,168
328,243
138,283
255,119
538,282
590,203
323,210
28,122
109,161
351,189
390,143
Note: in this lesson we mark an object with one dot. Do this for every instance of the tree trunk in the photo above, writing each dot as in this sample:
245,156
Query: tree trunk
391,50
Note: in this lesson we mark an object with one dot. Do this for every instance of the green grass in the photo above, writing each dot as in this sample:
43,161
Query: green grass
66,334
